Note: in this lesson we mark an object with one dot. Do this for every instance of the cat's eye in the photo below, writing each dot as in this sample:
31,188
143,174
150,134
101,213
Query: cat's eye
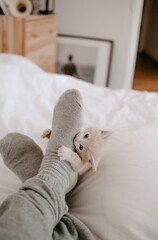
81,147
86,135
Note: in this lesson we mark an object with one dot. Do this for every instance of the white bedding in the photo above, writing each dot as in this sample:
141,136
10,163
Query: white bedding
27,98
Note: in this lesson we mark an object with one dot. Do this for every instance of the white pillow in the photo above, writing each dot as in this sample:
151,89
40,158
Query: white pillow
120,200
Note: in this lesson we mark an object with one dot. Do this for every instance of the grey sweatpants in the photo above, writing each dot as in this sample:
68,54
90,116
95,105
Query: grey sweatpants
39,211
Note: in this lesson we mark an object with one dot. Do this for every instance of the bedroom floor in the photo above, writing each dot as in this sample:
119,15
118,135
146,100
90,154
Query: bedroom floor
146,74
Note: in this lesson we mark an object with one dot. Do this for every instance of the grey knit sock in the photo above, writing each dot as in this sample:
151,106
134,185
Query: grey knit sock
67,122
21,155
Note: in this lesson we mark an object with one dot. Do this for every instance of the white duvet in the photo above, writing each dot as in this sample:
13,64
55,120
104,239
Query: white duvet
27,98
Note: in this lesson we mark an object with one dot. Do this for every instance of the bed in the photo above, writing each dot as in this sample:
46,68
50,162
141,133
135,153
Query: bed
119,201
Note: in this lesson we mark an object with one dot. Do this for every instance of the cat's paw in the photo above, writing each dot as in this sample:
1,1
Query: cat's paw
65,153
46,133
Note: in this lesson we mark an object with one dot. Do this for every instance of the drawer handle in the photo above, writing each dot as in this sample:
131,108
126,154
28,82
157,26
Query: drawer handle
34,35
50,31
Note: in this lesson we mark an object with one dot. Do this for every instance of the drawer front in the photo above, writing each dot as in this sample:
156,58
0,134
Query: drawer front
40,41
44,57
40,32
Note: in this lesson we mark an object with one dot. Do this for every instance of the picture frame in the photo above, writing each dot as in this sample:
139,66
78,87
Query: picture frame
91,58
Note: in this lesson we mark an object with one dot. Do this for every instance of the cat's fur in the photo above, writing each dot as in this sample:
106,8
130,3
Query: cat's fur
89,146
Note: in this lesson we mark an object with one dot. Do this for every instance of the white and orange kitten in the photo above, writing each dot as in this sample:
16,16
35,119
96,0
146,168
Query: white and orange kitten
89,146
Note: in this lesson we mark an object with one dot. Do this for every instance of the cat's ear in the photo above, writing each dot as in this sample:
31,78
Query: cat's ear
93,163
105,134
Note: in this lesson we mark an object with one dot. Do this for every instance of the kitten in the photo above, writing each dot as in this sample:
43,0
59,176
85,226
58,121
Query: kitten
89,146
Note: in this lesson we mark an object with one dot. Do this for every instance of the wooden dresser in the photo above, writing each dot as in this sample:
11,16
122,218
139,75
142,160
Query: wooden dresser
33,37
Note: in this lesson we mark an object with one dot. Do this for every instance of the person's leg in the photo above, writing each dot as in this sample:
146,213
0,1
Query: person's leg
34,211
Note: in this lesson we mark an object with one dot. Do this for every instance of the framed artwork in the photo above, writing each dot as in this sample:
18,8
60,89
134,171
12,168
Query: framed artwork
85,58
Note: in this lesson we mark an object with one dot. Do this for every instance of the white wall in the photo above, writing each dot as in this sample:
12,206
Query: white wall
117,20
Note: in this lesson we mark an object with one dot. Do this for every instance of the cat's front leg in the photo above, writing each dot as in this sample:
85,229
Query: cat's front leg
83,169
67,154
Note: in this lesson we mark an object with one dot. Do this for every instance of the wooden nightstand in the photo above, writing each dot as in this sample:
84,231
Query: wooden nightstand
33,37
